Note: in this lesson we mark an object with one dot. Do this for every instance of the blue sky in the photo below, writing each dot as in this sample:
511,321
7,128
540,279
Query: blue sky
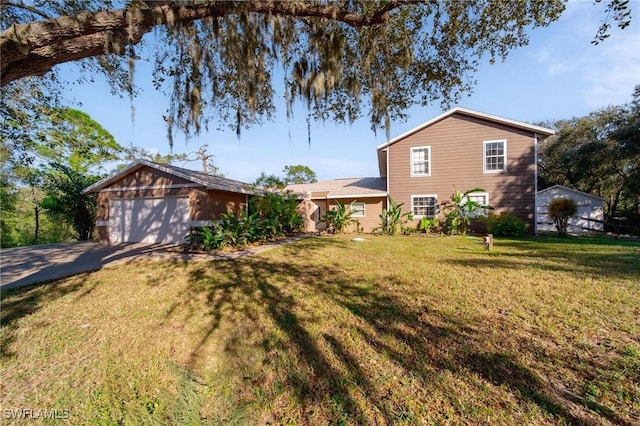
560,74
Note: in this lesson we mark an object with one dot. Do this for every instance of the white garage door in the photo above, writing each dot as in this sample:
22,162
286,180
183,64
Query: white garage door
148,220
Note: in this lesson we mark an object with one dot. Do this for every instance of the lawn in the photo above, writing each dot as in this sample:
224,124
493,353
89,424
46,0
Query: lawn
402,330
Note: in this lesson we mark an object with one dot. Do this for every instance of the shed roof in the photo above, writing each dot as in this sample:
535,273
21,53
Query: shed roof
200,178
342,188
567,189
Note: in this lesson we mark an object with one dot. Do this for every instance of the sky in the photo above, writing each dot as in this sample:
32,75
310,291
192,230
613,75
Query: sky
559,75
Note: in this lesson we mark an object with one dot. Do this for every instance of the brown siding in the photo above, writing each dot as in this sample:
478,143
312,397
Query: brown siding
372,209
147,176
221,202
457,160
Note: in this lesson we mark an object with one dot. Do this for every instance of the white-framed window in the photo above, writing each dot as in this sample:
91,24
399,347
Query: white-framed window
357,209
424,205
481,198
494,156
421,161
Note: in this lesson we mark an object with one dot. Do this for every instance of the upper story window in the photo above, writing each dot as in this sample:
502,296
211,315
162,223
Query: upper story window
357,209
495,156
424,205
421,161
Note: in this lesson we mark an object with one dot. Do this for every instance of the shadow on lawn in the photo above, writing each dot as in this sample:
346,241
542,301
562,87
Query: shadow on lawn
21,302
328,375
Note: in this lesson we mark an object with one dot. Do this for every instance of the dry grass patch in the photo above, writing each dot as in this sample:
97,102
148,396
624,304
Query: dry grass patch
326,331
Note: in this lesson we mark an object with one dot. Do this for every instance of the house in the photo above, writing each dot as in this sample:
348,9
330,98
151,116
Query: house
588,218
464,149
460,149
420,169
159,203
365,197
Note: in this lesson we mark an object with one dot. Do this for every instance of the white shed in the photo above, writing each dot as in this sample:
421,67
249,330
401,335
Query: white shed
590,215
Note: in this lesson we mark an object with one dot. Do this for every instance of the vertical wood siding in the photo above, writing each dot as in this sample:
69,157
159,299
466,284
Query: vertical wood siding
457,160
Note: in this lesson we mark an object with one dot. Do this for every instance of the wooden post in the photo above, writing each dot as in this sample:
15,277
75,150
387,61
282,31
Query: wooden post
487,241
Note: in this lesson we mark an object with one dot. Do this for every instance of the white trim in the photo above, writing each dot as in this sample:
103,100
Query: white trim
411,162
418,216
333,197
484,156
199,223
477,114
364,208
150,187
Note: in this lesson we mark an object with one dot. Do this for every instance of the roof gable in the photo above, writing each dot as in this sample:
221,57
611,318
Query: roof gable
199,178
567,189
542,131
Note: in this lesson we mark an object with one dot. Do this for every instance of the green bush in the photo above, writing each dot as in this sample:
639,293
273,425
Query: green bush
338,219
392,217
506,225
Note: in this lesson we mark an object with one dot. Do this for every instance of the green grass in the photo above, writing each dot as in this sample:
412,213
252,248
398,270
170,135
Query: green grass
402,330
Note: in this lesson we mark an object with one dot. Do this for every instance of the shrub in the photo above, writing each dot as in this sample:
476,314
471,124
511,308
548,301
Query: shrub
560,210
339,218
392,217
506,225
460,209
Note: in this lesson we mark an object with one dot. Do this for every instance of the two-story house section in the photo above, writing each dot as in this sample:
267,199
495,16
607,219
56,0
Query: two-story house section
463,149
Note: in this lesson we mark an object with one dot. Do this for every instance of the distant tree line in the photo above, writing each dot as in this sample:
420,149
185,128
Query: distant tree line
598,154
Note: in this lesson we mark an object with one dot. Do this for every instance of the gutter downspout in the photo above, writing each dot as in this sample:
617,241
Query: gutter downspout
388,177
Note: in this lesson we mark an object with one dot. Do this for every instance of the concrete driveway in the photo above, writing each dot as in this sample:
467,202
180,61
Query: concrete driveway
29,265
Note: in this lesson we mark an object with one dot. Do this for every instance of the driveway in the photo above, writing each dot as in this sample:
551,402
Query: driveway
29,265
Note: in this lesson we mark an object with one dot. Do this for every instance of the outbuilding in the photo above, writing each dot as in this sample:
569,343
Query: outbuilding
159,203
588,218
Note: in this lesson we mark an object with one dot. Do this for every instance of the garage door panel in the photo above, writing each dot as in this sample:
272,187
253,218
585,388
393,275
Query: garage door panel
149,220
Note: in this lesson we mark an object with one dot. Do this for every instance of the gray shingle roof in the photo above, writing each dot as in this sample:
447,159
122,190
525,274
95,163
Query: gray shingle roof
208,181
343,188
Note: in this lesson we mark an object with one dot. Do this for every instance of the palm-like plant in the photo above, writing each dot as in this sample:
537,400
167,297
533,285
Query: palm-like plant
459,210
392,217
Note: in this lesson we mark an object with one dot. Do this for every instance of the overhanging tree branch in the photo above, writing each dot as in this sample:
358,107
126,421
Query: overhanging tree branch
33,49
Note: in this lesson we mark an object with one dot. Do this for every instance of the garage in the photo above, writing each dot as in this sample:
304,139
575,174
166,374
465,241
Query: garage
148,220
588,218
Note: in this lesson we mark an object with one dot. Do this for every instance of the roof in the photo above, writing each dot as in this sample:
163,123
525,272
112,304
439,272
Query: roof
208,181
575,191
342,188
542,131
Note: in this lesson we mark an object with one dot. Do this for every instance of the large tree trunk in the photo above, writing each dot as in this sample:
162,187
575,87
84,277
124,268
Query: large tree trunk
33,49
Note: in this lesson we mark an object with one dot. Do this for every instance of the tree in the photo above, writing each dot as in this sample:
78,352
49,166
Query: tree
133,153
269,181
598,154
561,210
66,200
340,58
299,174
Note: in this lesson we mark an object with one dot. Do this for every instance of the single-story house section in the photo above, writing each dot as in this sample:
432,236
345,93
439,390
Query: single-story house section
366,197
589,217
159,203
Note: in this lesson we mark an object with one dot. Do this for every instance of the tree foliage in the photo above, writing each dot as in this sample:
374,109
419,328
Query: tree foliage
66,201
299,174
598,154
343,59
561,210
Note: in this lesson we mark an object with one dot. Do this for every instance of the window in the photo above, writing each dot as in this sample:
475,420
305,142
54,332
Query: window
495,156
357,209
482,198
421,161
424,205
